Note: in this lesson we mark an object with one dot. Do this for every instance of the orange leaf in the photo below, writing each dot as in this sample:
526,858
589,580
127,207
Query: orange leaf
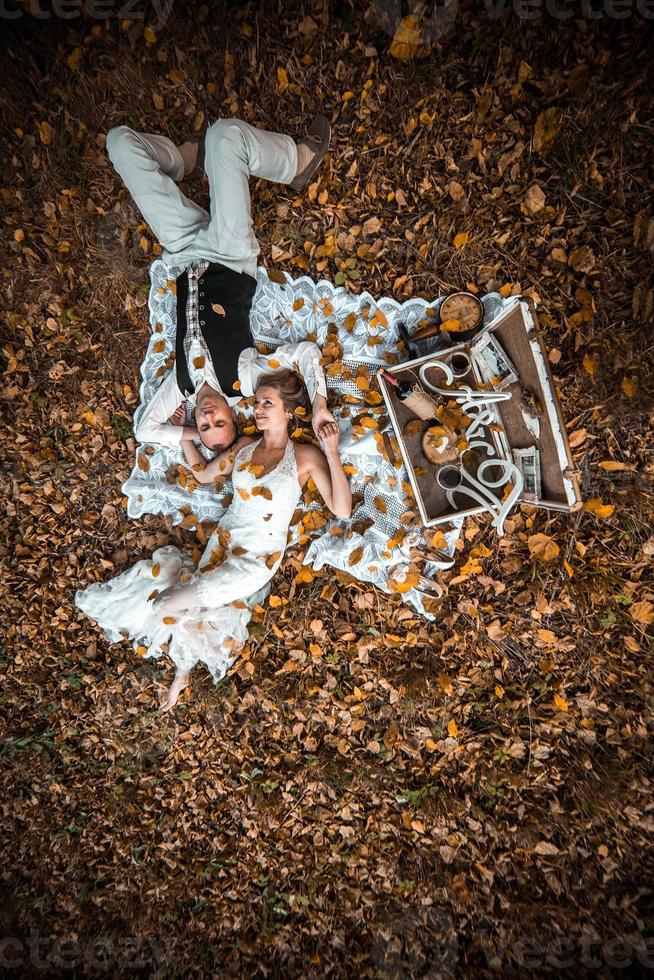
272,560
156,569
217,308
355,556
595,506
543,547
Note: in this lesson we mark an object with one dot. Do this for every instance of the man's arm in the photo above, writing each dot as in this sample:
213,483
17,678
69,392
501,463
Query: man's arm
221,465
304,357
153,424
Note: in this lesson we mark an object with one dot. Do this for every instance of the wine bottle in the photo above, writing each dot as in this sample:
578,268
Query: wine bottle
402,390
415,399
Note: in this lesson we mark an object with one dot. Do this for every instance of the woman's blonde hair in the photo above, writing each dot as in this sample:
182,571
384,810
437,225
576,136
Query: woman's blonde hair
289,388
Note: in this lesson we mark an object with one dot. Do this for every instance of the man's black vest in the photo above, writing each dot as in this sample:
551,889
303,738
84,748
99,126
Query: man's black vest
226,335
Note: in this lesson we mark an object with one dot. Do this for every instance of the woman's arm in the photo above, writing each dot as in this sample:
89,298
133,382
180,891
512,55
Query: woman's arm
326,470
222,465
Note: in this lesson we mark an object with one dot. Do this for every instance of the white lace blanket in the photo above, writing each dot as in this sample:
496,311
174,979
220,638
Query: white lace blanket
300,309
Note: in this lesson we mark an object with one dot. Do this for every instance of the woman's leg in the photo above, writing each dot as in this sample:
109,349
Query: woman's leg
177,600
180,681
149,165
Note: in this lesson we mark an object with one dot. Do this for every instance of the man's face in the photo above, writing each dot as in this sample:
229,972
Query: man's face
214,421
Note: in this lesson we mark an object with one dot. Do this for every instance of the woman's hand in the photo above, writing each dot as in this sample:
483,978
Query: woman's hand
321,417
179,415
329,437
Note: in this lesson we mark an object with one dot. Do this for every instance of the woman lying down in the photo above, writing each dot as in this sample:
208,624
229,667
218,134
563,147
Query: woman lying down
192,609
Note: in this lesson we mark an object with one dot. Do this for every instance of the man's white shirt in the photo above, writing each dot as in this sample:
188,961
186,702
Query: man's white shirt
153,425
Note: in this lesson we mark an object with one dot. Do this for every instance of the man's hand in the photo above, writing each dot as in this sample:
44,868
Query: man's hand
179,415
321,416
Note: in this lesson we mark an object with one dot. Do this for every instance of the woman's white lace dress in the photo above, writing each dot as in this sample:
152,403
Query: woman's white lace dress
240,557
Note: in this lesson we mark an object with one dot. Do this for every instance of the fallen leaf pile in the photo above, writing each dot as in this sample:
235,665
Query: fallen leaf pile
366,791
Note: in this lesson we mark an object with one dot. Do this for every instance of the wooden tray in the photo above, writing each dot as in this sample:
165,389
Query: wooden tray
431,499
516,328
518,332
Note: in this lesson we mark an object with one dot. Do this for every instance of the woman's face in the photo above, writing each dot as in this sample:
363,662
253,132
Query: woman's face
269,411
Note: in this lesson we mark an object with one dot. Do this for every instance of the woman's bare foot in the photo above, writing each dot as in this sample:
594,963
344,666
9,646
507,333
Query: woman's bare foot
179,683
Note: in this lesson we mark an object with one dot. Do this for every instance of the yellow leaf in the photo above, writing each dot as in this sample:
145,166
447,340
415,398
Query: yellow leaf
304,575
169,620
612,465
546,128
408,42
282,79
298,304
560,703
198,362
149,35
445,684
438,541
156,569
380,505
642,612
46,132
430,745
590,364
159,346
273,559
73,59
452,728
272,363
499,691
362,383
628,386
461,239
543,547
452,326
236,385
349,321
505,290
243,494
274,601
595,506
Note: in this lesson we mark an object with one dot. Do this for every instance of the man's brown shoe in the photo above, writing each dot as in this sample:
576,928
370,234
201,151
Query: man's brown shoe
317,141
194,139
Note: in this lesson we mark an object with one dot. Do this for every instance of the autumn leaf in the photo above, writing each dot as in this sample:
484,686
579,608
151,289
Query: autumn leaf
542,547
217,308
272,560
546,129
642,612
46,132
595,506
461,239
453,728
560,703
355,556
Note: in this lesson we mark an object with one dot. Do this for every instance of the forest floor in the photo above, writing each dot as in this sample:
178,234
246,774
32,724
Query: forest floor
469,796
